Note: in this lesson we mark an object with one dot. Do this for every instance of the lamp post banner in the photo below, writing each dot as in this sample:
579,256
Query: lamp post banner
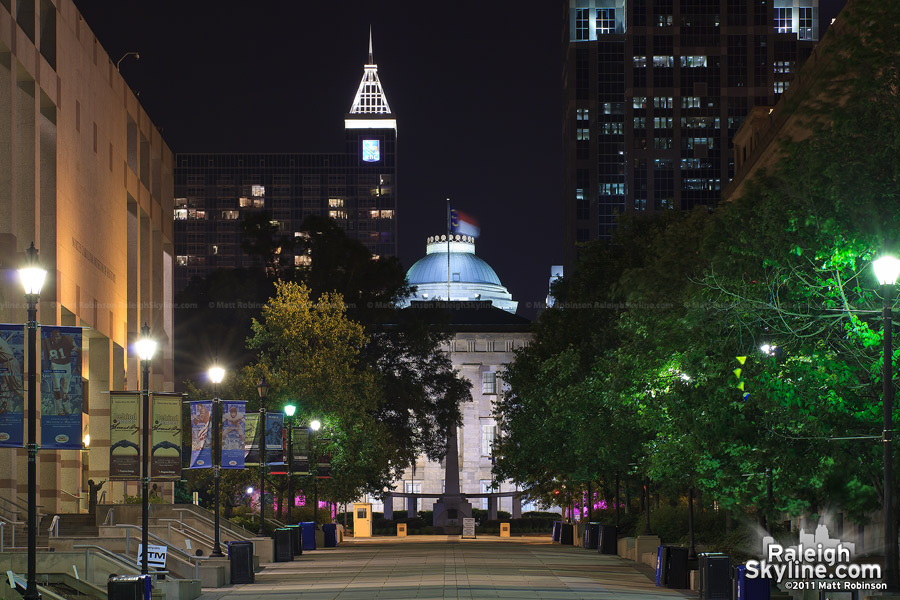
62,392
12,389
275,438
301,450
165,443
251,443
201,448
124,451
234,422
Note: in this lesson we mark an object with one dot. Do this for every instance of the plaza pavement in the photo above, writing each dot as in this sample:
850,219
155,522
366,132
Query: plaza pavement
438,567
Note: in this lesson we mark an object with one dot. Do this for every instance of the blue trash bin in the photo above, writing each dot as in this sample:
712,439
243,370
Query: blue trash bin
751,589
660,565
330,531
309,535
557,526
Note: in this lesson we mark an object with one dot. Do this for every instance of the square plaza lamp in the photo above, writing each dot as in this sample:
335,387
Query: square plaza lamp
262,389
146,348
289,412
887,269
32,277
216,375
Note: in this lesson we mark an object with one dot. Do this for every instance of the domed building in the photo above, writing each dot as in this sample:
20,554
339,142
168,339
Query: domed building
451,268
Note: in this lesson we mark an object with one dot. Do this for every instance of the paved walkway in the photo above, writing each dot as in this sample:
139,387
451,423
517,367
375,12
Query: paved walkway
437,567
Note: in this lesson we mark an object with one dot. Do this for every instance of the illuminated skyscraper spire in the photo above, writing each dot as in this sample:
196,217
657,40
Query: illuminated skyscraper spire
370,98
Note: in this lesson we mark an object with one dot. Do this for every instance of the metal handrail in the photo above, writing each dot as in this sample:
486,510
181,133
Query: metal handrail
190,559
195,534
243,534
110,518
53,531
117,558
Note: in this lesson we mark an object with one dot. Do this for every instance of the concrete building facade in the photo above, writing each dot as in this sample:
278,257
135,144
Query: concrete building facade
87,177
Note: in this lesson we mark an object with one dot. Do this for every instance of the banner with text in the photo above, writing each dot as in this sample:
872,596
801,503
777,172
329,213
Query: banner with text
201,436
251,440
275,438
165,443
124,451
12,388
234,423
62,393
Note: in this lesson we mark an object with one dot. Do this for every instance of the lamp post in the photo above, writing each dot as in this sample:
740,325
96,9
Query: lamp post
263,389
887,268
32,277
289,411
146,346
216,374
314,426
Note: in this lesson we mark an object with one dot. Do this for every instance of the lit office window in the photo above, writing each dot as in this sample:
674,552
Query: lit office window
606,20
257,191
805,23
783,18
582,30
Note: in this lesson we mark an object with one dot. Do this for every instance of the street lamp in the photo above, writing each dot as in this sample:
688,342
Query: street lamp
32,277
263,389
216,375
314,425
289,411
887,268
145,346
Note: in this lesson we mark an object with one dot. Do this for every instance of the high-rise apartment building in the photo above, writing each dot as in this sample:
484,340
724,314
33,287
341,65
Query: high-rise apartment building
357,188
655,91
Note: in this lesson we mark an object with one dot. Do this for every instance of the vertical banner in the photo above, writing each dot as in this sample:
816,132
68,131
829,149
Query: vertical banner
12,388
61,388
165,442
233,432
300,443
124,451
251,440
201,438
275,438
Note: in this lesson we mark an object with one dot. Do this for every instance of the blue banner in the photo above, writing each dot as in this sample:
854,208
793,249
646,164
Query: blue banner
12,389
201,438
234,423
62,392
275,438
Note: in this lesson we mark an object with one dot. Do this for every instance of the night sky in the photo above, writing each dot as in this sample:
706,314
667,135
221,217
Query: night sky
475,86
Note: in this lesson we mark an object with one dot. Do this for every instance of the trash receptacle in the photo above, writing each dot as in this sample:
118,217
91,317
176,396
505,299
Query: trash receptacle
330,531
751,589
128,587
661,555
715,576
504,530
284,545
401,529
567,534
309,535
555,534
609,540
296,539
240,557
675,569
592,535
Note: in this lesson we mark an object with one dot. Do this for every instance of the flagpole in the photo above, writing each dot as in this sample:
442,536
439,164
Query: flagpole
448,252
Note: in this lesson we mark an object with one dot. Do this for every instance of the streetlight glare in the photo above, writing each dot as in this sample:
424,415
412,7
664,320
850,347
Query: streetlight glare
887,269
250,490
289,410
216,374
315,425
32,275
145,346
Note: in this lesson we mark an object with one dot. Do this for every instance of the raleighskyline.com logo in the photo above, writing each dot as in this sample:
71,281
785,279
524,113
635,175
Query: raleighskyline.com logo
817,562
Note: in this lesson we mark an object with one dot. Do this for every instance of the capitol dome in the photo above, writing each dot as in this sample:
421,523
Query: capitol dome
470,278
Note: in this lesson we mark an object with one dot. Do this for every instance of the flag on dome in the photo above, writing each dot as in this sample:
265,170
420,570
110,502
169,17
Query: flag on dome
463,224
